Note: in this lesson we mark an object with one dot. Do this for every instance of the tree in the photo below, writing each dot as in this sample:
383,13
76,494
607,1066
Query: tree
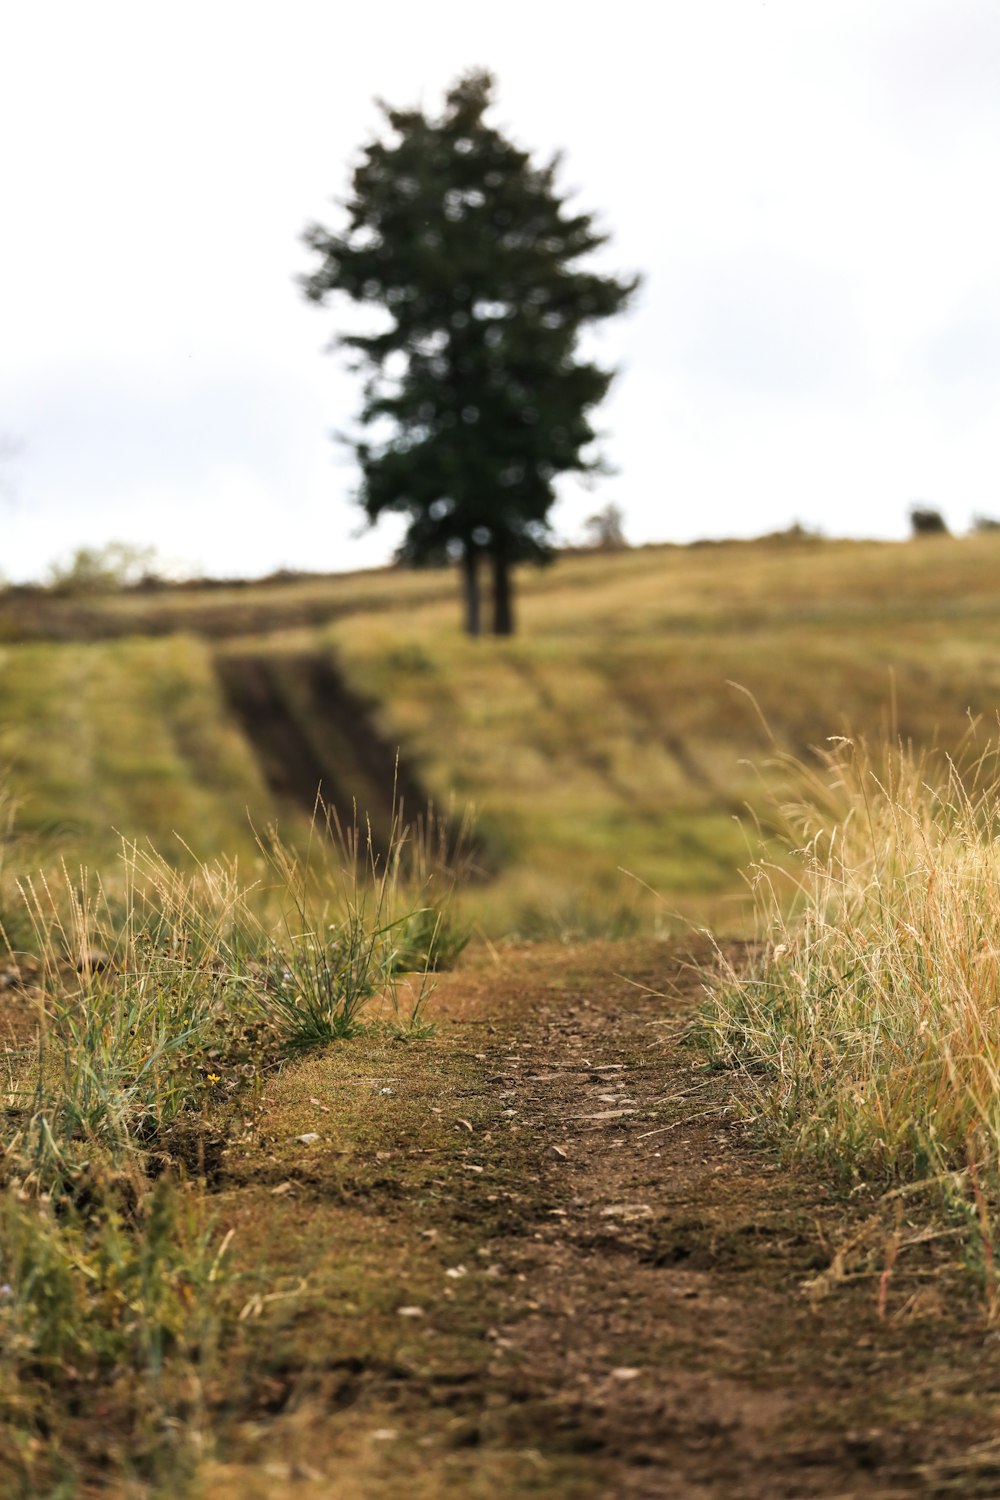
475,399
927,522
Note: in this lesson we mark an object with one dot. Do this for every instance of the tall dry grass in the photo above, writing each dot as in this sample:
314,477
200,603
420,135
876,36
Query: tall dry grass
867,1026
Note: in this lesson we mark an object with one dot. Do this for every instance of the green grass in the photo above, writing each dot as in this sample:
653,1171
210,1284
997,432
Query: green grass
149,1013
607,736
610,733
124,739
159,1000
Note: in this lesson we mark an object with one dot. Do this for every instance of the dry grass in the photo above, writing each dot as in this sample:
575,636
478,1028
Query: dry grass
607,735
868,1027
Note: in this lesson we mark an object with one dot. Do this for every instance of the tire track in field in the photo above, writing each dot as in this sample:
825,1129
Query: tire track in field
313,736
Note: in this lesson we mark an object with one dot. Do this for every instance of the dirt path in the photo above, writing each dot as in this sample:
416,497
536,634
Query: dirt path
537,1254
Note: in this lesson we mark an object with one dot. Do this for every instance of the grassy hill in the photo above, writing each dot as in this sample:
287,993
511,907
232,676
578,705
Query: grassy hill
620,730
266,1217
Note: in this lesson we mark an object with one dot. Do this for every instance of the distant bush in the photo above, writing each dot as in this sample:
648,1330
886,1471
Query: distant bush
985,523
796,532
116,565
927,522
605,530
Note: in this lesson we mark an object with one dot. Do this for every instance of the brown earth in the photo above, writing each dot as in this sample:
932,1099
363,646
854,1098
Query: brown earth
537,1253
312,734
314,738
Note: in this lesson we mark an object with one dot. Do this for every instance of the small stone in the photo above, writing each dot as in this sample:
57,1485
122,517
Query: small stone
464,1125
625,1372
282,1189
411,1312
309,1138
384,1434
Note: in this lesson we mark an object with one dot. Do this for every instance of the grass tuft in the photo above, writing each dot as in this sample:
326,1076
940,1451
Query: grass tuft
150,1008
867,1025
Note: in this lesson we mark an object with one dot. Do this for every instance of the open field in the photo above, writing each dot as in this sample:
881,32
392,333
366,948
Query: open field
684,1217
608,735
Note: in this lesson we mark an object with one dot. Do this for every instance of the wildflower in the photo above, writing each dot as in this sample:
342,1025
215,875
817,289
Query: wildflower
215,1078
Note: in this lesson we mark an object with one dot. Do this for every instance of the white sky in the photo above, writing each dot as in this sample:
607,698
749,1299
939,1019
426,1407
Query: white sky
808,186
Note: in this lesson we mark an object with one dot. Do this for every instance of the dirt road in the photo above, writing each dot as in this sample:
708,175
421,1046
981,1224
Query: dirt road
538,1254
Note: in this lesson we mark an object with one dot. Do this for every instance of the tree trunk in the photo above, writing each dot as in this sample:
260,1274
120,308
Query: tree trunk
503,599
470,591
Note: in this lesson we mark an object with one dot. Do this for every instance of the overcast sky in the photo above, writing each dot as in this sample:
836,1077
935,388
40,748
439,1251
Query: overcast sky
809,188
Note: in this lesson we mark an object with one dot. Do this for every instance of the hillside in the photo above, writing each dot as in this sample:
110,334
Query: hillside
648,1217
607,736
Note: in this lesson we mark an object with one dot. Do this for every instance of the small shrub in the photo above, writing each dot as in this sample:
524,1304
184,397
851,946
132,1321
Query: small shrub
97,569
927,522
605,530
321,977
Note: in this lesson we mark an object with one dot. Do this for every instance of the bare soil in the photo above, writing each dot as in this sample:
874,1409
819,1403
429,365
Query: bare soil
314,737
538,1253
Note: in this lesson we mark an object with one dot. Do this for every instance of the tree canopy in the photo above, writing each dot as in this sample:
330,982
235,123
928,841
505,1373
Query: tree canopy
475,399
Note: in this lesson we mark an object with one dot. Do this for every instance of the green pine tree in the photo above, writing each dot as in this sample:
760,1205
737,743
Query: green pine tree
475,399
